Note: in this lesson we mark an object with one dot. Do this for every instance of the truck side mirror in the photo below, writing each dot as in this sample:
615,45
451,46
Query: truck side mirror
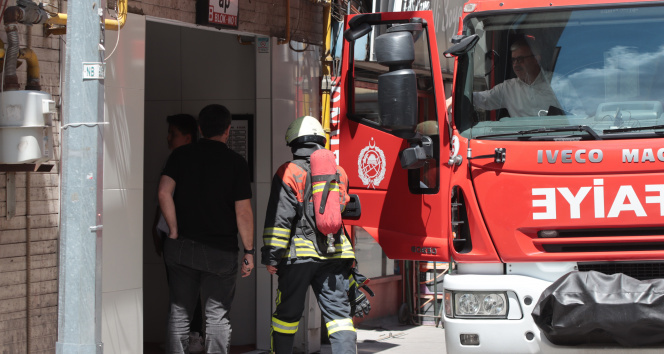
361,25
353,34
397,89
463,46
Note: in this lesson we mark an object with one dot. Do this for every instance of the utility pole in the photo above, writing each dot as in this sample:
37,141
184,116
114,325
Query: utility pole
79,299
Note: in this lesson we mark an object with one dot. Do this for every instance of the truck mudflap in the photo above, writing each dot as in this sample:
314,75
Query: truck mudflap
592,307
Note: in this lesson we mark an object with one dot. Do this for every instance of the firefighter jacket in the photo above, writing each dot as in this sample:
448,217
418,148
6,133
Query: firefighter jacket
287,236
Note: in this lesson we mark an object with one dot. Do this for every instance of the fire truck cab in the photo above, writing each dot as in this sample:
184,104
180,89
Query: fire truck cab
542,184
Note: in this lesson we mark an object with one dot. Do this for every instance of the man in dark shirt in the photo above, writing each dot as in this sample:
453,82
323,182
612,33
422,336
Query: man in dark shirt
205,197
182,130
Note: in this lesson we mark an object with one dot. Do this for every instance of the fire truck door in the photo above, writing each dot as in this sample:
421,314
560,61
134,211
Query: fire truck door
394,138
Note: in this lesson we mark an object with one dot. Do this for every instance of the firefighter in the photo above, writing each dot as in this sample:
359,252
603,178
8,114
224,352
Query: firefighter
295,252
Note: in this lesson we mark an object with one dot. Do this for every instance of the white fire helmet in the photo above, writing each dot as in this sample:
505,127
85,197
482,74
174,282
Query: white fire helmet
305,129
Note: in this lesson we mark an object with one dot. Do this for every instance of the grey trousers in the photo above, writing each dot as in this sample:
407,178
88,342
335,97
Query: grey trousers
196,270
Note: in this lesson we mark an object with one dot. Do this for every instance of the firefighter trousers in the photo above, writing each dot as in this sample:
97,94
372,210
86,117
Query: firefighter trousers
329,281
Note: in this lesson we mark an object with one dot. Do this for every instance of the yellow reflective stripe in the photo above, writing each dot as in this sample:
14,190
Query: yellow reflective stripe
351,278
346,248
316,255
334,326
320,190
275,242
305,248
278,299
320,187
343,246
276,237
284,327
306,252
276,231
333,183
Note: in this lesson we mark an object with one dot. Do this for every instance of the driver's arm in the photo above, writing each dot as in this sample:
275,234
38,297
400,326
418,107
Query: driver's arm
490,99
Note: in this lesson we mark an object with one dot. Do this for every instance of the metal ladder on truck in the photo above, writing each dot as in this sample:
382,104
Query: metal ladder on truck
422,292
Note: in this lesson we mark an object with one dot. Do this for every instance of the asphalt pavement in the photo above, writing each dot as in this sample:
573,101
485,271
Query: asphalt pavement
387,336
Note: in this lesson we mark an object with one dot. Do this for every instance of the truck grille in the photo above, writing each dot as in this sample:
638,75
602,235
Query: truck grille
619,232
604,246
600,240
637,270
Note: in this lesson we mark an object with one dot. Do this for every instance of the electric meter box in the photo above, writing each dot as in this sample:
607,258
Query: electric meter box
26,127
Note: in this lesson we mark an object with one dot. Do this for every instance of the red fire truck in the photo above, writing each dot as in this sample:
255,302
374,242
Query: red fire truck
542,185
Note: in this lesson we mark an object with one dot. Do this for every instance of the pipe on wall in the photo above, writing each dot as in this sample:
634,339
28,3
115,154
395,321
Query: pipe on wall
112,25
11,57
30,57
287,40
115,25
27,13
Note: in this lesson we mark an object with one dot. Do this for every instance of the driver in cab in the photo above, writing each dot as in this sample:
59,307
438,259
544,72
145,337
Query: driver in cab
527,95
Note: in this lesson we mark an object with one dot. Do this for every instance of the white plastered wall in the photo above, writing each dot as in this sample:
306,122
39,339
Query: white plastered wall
122,276
293,93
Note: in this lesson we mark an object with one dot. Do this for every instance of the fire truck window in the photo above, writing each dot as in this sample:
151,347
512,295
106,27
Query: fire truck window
366,93
365,109
592,67
365,83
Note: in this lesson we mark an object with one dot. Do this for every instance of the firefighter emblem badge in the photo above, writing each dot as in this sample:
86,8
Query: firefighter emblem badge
371,165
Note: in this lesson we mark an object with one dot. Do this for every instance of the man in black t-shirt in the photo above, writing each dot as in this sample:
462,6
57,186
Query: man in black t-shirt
182,130
205,197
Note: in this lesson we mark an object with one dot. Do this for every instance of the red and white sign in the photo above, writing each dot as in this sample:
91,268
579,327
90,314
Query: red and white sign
223,12
335,106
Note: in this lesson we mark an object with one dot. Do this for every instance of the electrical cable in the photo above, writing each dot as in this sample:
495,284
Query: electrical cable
295,31
298,50
118,39
116,45
4,62
2,14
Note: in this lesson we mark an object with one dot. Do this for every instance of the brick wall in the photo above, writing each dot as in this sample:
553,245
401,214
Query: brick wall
39,224
42,292
268,17
265,17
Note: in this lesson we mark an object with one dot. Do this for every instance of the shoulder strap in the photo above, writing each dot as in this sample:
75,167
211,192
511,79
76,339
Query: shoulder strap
306,196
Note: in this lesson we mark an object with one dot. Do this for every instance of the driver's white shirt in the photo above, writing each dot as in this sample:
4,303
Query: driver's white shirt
520,99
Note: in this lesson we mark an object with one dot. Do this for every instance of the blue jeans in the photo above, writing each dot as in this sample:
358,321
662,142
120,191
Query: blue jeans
196,270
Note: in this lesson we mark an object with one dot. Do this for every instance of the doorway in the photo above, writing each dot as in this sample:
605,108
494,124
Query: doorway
186,69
